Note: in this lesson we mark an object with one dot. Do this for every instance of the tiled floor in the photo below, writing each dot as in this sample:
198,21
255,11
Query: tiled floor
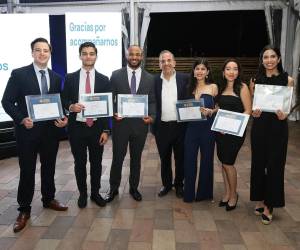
155,223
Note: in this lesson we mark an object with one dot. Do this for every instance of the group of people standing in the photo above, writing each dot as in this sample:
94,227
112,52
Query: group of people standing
268,134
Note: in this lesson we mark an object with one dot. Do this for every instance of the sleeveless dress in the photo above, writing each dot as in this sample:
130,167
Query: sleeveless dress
228,145
199,135
269,139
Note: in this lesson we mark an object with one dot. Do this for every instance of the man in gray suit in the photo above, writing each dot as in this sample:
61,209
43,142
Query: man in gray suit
130,130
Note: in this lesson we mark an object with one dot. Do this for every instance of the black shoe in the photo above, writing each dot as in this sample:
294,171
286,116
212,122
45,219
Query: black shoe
223,203
98,200
259,211
135,194
179,192
229,208
82,201
164,190
111,195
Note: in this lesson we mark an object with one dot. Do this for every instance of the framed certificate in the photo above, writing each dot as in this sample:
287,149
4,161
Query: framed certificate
97,105
189,110
44,107
270,98
132,105
229,122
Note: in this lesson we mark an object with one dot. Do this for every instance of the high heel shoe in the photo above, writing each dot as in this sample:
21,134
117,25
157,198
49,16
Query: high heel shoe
229,208
259,211
223,203
267,219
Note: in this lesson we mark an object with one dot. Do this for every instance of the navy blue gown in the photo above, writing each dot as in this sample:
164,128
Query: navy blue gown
199,135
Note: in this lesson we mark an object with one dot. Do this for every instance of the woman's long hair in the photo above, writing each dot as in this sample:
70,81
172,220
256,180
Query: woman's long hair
193,80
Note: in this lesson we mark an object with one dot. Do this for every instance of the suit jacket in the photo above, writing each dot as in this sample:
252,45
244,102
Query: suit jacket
120,85
181,82
71,91
23,82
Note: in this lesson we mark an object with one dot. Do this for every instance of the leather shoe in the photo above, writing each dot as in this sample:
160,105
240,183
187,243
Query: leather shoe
56,205
21,221
232,207
135,194
223,203
82,201
111,195
98,200
179,192
163,191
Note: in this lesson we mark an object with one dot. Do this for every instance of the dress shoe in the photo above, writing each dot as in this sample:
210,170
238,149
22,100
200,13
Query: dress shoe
223,203
56,205
179,192
163,191
266,219
259,211
229,207
135,194
82,201
111,195
98,200
21,221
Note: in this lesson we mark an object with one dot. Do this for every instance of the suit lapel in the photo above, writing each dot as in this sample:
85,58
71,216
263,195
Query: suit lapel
34,81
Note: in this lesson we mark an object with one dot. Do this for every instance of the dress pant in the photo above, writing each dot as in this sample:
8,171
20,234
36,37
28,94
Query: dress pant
40,140
130,131
169,137
83,138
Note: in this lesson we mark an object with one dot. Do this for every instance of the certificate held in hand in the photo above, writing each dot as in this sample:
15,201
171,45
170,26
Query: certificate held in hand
97,105
132,105
44,107
189,110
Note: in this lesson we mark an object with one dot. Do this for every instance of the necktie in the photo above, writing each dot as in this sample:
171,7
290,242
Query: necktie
44,87
133,83
89,121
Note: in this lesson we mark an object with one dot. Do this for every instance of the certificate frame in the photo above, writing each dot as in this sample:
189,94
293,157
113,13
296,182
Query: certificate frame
191,105
229,122
97,105
126,102
44,107
270,98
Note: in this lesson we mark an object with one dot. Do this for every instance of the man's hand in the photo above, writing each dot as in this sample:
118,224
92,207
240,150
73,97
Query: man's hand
148,119
27,122
103,138
280,115
117,117
256,113
61,122
76,107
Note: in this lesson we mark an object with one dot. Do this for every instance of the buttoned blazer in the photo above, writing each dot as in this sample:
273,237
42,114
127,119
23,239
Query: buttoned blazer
71,90
120,85
22,82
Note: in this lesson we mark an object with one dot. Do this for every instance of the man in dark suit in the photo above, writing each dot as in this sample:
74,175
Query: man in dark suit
86,133
130,130
170,86
34,138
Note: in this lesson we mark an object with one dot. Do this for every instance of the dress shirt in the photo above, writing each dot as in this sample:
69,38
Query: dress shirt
82,81
168,98
138,73
38,75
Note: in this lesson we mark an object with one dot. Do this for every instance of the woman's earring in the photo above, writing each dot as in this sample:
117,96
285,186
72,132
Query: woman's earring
206,76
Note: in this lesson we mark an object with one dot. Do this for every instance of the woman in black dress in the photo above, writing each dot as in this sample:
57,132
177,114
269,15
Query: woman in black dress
233,96
269,138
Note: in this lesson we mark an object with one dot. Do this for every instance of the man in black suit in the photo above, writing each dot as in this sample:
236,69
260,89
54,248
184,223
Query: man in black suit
130,130
86,133
170,86
34,137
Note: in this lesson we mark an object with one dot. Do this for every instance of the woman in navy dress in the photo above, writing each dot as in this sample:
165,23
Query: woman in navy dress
233,96
269,139
199,135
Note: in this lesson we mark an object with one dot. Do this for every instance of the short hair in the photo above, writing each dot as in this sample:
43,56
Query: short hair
164,52
87,44
40,40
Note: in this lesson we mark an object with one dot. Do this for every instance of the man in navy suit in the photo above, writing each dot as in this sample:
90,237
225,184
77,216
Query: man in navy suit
132,131
170,86
86,133
34,137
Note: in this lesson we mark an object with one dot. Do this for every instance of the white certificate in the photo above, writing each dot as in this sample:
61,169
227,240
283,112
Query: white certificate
132,105
45,110
189,110
270,98
191,113
97,105
229,122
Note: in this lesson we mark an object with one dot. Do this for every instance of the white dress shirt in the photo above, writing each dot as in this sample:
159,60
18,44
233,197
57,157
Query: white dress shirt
138,73
38,75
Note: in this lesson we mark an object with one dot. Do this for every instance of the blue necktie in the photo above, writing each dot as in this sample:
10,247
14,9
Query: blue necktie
133,83
44,86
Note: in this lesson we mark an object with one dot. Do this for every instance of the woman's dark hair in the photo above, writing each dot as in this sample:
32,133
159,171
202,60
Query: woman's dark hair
237,82
193,80
261,68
